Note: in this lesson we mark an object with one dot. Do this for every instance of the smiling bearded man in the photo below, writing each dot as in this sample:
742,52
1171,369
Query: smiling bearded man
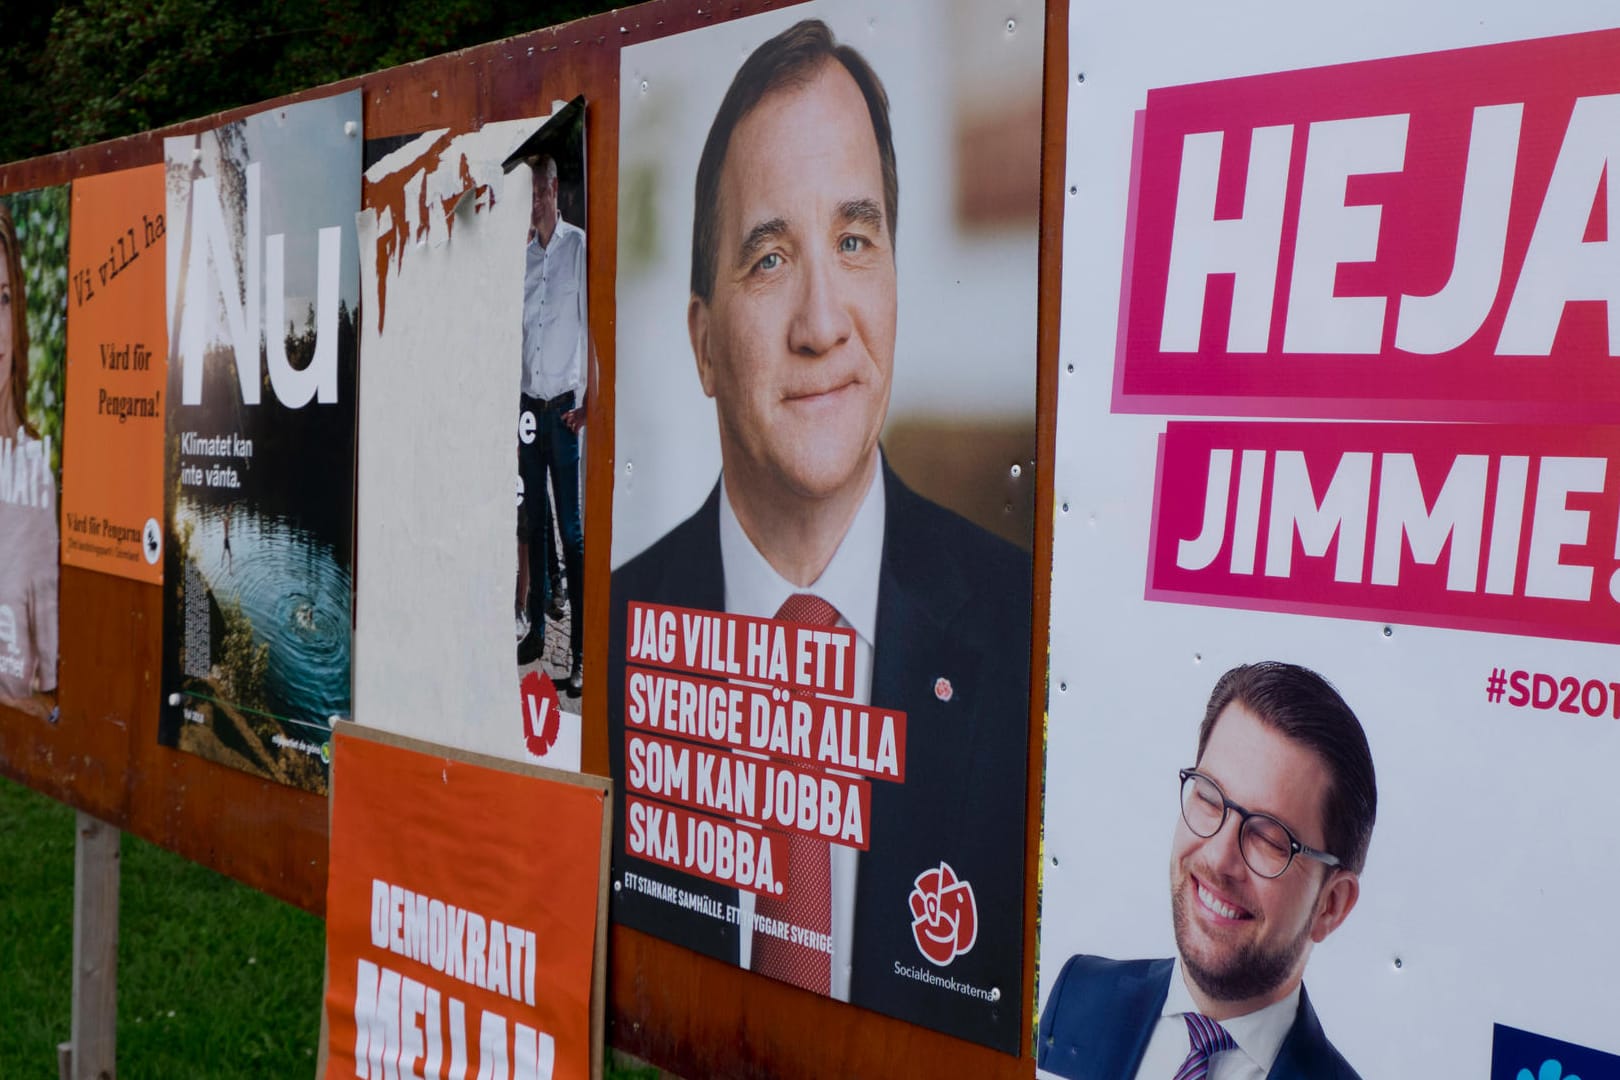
1276,818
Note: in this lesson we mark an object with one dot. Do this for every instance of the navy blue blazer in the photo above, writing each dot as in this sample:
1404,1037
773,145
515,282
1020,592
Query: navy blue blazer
953,602
1101,1013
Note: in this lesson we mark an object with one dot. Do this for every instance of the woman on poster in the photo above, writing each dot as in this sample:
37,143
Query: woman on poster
28,528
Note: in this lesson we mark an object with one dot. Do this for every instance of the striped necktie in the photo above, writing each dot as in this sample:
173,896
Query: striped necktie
1208,1039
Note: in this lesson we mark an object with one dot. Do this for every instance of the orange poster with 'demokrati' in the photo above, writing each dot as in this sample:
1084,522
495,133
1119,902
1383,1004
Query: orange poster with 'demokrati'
112,467
462,914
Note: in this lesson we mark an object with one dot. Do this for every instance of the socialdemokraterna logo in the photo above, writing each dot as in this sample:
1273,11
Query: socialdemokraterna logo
944,917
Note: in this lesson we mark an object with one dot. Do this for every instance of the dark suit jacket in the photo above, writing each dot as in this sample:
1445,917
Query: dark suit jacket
953,601
1101,1013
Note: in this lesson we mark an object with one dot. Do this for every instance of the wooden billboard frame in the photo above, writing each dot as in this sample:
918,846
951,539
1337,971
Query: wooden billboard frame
687,1013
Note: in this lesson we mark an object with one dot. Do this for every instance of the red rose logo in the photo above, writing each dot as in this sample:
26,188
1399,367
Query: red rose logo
540,720
944,918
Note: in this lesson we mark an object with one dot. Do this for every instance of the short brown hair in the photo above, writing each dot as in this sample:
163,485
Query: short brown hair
791,58
12,254
1302,706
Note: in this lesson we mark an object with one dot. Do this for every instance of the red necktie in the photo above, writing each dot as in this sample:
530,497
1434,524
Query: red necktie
807,899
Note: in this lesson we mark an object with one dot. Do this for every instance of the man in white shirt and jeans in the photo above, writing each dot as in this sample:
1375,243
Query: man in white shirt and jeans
555,345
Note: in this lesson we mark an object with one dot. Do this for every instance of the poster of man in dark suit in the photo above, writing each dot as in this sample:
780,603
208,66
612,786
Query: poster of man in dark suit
1276,817
791,319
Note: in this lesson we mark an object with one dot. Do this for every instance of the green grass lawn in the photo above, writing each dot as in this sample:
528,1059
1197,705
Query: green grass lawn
214,979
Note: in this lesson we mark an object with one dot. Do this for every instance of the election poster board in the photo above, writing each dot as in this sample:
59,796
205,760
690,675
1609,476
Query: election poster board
1338,390
466,914
446,225
33,317
117,360
821,750
263,290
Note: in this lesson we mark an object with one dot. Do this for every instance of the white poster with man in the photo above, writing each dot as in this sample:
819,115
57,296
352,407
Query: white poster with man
1335,557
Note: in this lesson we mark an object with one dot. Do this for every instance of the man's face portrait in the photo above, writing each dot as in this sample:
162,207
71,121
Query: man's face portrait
1243,936
545,197
796,342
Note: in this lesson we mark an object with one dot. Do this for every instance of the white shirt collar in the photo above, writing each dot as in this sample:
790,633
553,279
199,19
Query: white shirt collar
560,230
1259,1034
849,583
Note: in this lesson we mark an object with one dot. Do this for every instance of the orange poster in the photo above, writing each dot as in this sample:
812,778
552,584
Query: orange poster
112,470
465,910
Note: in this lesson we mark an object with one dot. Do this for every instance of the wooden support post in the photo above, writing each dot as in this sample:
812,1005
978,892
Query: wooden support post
90,1053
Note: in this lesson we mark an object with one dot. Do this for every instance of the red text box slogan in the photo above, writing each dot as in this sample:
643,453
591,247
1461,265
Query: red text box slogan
1425,237
460,938
721,851
768,720
739,732
1500,528
760,792
820,659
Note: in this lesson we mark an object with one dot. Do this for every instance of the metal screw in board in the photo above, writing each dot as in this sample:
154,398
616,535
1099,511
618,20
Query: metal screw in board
1389,631
1016,471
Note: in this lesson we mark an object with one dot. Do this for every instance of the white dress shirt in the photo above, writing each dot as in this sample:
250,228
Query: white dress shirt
850,584
1259,1036
554,315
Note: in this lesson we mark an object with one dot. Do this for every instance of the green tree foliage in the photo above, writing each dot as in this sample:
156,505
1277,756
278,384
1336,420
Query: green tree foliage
80,71
23,30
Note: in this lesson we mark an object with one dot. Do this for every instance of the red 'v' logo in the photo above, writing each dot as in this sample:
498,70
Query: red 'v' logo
541,723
